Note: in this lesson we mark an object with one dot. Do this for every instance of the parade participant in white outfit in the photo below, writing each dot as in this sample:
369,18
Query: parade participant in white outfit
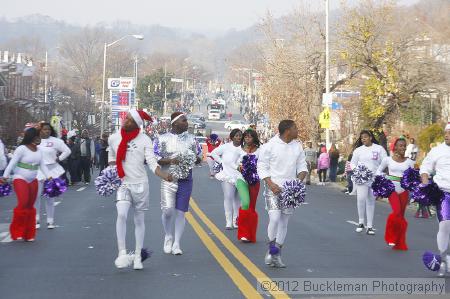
54,150
3,160
175,195
24,164
368,153
229,155
280,160
438,161
129,149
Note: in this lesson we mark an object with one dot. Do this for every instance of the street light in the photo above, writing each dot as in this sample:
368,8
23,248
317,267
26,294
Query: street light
136,36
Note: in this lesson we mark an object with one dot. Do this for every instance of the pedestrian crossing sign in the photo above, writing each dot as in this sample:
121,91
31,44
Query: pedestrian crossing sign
325,118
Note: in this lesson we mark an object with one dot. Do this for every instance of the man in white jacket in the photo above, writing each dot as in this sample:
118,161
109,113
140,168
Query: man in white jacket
438,161
129,149
281,159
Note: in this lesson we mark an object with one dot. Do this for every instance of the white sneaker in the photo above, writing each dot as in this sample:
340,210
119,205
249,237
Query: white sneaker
370,231
360,228
176,250
244,239
124,260
38,225
137,263
442,269
235,225
391,244
168,244
51,225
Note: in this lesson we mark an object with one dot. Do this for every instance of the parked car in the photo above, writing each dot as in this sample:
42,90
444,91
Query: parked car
214,114
236,124
198,116
196,124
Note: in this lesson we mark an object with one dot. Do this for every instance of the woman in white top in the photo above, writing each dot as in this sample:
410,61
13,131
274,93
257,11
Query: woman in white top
26,161
248,191
396,224
229,155
53,150
367,152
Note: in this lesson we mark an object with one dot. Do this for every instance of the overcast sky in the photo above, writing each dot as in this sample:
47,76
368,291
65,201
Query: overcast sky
186,14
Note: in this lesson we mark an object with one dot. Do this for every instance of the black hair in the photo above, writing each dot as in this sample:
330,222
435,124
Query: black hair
253,134
234,132
367,132
52,131
285,125
29,136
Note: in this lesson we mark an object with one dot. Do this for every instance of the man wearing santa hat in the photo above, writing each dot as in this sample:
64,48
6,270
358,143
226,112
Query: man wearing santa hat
438,161
128,150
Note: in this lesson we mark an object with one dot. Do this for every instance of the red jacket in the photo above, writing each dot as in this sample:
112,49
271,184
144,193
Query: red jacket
211,145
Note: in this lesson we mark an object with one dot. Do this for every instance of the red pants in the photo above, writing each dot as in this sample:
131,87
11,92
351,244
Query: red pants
396,224
23,224
248,219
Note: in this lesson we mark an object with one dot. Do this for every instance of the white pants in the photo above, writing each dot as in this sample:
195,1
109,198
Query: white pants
136,194
121,226
277,228
365,203
443,237
210,162
231,202
49,205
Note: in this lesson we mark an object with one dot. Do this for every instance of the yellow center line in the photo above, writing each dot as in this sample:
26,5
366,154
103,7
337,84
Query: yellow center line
247,289
241,257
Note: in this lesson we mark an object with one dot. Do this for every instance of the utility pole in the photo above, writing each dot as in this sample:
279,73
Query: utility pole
327,66
165,89
45,77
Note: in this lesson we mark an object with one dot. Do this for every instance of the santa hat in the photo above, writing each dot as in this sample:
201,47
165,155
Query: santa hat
447,127
139,116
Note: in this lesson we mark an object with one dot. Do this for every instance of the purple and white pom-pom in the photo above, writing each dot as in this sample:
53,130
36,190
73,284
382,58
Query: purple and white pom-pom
54,187
217,167
108,181
293,194
431,261
429,194
5,189
362,175
249,169
410,179
382,187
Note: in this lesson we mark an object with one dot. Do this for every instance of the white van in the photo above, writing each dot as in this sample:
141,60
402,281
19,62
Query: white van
214,114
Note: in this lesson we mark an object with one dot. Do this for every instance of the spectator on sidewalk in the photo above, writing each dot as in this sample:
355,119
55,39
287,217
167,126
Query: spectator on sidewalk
87,149
3,159
323,164
348,174
311,161
334,160
74,160
412,150
103,155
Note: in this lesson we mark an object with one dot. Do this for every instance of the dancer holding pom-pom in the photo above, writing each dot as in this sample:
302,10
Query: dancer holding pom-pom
128,150
396,224
27,159
177,152
229,155
367,155
438,161
282,159
248,187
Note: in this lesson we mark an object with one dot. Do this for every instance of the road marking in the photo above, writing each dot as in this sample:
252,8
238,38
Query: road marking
81,189
56,203
5,237
239,280
242,258
352,222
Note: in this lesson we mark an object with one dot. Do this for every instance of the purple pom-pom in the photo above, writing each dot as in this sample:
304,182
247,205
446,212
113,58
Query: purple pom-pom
249,169
361,174
54,187
293,194
145,254
217,167
273,249
5,189
382,187
410,179
429,194
431,261
108,181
